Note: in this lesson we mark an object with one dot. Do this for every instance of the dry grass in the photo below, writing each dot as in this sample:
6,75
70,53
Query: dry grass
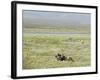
39,50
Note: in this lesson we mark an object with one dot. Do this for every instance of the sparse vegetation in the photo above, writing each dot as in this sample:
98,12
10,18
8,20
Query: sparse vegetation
39,50
47,33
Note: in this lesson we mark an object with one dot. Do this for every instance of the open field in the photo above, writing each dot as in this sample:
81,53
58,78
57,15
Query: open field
39,50
47,33
64,29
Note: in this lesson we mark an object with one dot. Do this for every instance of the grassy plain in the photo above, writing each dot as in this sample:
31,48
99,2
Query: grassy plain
39,50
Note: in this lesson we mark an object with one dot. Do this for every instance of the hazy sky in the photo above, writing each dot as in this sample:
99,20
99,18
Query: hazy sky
55,18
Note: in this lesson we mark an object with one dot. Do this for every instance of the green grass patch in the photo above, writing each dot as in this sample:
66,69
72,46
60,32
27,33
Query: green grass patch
39,50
